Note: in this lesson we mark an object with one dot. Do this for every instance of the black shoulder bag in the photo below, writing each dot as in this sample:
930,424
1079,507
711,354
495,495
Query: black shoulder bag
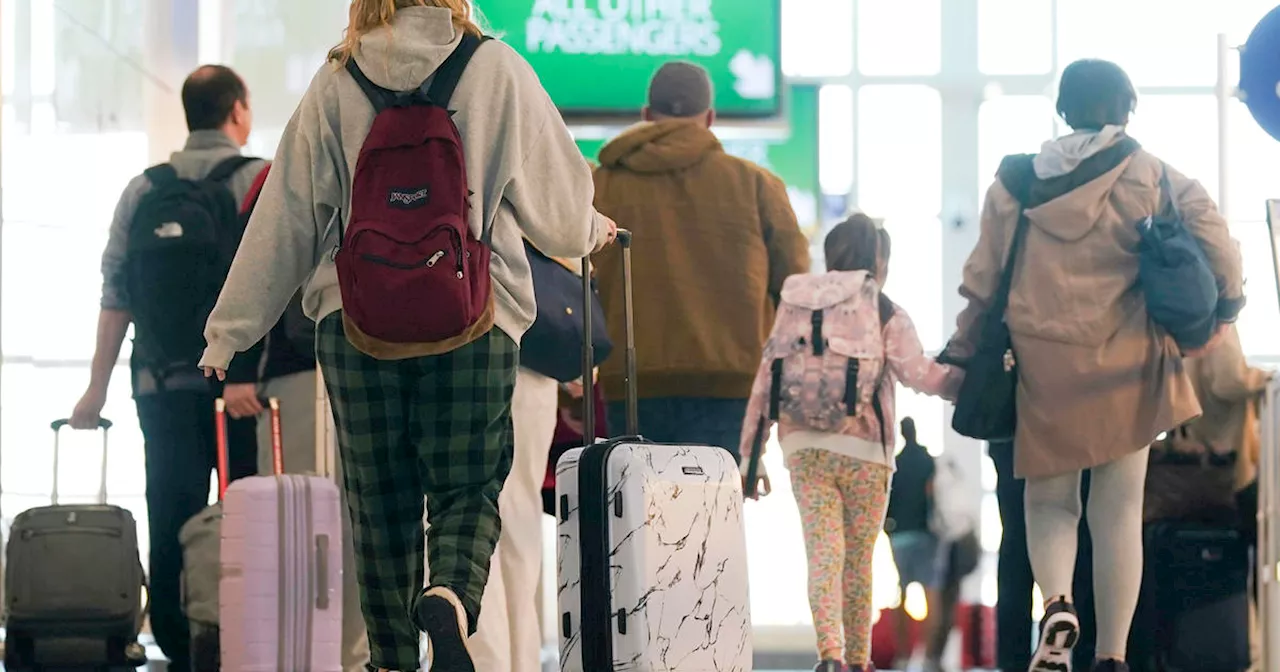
986,404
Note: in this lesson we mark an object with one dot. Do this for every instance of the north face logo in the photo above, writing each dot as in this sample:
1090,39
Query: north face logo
169,230
409,198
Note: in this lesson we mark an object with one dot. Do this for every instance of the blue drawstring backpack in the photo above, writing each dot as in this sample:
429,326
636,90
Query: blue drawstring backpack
1173,271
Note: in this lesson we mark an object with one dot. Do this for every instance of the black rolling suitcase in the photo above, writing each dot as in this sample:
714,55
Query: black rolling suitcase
1193,615
75,591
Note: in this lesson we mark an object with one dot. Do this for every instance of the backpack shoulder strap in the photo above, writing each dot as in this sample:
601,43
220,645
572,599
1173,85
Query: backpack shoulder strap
1017,174
161,174
886,309
255,190
379,97
450,72
227,167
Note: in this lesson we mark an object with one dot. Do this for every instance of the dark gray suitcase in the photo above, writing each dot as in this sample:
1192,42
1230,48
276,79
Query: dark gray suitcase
75,591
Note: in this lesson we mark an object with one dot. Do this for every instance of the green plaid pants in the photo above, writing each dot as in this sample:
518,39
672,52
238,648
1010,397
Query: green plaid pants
438,427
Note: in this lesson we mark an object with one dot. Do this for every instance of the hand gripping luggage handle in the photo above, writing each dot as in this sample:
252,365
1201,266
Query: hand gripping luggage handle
220,429
588,346
57,426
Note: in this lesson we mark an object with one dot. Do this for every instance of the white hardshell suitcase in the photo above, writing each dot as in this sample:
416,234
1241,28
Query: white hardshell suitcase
281,585
659,529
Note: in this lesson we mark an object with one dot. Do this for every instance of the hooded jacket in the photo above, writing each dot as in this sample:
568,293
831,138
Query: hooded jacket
714,238
1097,379
1228,390
527,175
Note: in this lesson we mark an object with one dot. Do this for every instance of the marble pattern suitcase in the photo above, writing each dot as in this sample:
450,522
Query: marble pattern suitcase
659,530
280,605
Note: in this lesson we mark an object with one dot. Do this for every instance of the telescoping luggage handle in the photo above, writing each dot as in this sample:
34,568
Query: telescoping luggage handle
57,425
588,348
220,428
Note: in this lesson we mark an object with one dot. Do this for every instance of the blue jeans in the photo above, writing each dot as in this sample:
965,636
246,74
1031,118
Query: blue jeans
696,421
918,555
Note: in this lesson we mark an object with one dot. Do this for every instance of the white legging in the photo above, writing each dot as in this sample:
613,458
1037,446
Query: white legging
1115,524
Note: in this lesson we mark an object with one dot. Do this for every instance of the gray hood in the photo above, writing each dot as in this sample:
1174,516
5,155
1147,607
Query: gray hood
402,55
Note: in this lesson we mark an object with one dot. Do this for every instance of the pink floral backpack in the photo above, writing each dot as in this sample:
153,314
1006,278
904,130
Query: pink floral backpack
826,352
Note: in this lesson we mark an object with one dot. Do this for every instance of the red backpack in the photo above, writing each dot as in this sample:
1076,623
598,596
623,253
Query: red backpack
414,280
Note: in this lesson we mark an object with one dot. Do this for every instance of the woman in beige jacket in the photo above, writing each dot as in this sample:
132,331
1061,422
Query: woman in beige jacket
1097,380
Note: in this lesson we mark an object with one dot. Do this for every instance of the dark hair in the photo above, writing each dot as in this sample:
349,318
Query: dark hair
855,245
210,95
1095,93
909,430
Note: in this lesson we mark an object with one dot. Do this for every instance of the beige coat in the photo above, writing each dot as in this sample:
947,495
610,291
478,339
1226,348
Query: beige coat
1097,380
1228,389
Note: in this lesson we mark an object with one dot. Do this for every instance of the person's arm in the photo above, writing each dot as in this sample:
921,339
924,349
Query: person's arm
1200,215
300,197
757,412
552,190
787,245
114,316
906,359
982,272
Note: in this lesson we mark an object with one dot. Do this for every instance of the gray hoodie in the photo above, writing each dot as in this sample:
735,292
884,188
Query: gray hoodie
525,169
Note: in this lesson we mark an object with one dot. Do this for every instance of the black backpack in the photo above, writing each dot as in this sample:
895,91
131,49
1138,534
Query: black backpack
182,239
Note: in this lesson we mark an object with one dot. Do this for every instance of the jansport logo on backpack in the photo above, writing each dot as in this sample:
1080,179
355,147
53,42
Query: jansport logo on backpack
410,270
409,198
182,239
827,350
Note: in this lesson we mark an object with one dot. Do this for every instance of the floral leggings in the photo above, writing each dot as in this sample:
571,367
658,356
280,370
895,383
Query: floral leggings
842,506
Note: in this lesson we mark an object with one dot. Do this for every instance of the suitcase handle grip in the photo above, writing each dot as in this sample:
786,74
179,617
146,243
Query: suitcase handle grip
57,425
220,431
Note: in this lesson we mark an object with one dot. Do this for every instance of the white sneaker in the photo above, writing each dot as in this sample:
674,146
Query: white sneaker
1059,631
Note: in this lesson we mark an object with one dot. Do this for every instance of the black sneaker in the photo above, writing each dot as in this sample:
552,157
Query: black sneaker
1059,631
1110,666
440,614
830,666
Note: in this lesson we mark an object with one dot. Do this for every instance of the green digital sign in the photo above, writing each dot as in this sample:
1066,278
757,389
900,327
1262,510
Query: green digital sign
794,158
595,57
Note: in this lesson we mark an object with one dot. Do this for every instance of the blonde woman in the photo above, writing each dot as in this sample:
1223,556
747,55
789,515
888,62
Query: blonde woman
437,425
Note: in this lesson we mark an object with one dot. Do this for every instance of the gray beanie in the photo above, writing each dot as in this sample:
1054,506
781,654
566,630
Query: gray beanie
680,89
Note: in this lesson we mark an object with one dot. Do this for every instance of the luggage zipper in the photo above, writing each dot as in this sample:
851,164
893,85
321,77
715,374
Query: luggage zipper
70,529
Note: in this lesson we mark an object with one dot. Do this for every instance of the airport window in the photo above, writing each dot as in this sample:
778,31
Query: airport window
835,133
278,63
1253,156
1159,42
915,276
1010,125
1260,322
1015,37
899,150
817,38
899,37
1183,131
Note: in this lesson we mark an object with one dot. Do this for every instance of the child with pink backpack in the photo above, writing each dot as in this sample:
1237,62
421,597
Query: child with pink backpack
838,349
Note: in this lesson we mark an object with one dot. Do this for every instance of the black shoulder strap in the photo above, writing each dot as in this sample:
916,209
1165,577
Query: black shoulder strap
1017,174
379,97
887,310
161,174
449,73
227,167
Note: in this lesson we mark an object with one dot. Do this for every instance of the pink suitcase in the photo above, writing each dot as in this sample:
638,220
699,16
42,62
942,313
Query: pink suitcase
280,604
